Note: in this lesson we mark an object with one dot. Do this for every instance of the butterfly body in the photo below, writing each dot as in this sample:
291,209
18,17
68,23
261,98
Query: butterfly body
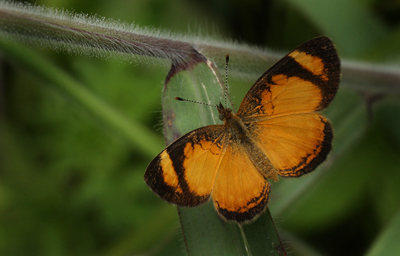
233,124
240,134
277,131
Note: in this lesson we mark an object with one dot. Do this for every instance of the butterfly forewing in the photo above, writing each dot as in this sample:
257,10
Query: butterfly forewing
305,80
184,172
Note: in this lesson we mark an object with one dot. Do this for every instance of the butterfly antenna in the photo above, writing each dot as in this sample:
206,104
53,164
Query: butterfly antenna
198,102
226,77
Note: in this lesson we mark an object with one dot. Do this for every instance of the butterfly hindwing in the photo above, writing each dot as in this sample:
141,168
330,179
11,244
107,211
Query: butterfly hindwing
184,172
295,144
240,191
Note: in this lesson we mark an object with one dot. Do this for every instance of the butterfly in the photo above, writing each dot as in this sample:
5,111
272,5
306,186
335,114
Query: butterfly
276,132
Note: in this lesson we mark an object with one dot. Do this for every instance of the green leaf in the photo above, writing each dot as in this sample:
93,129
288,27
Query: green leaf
204,232
387,242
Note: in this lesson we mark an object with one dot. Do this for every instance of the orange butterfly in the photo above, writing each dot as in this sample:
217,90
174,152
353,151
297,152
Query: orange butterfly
276,131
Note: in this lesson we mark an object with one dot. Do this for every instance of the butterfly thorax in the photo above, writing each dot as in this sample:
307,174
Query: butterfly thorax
233,123
240,135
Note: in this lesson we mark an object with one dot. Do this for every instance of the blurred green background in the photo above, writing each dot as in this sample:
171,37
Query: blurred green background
71,186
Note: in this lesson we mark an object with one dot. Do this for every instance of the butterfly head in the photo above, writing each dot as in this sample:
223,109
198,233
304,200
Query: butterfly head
224,113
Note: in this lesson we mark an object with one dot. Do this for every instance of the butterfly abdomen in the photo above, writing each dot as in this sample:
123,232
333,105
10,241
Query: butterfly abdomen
241,136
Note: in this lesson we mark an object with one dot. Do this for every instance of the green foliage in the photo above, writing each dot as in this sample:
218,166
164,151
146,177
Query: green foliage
71,185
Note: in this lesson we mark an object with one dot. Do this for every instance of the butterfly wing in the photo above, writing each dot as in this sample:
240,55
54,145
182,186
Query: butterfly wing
184,172
280,107
295,144
305,80
240,191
